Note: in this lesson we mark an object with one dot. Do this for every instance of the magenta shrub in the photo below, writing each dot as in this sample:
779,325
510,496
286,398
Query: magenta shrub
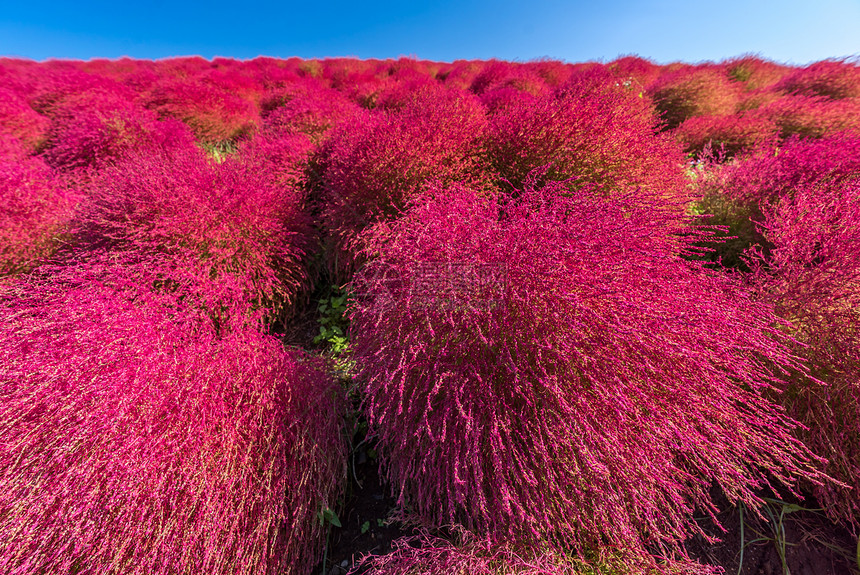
517,364
213,114
755,73
18,119
812,276
774,172
725,135
593,130
638,72
281,158
813,117
35,210
694,91
308,107
230,219
377,161
833,79
93,131
132,445
497,75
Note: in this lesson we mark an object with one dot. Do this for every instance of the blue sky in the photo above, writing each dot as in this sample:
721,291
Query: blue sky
789,31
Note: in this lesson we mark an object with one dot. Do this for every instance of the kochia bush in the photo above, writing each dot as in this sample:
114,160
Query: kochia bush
35,210
132,445
377,161
213,114
222,220
694,91
18,119
92,131
549,370
591,129
812,275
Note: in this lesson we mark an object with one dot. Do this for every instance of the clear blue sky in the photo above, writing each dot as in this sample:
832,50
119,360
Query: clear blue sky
789,31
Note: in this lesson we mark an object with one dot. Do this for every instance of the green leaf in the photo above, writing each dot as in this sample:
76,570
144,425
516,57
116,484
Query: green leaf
328,515
365,527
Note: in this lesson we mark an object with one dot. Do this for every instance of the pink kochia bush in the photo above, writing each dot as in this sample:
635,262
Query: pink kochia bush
549,370
132,444
213,114
229,220
35,210
590,129
812,275
694,91
725,135
18,119
92,131
377,161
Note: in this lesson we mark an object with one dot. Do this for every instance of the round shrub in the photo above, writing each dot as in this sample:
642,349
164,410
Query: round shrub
592,130
812,276
812,117
132,445
377,161
35,210
308,107
222,220
92,131
693,91
833,79
725,136
755,73
19,120
548,370
213,114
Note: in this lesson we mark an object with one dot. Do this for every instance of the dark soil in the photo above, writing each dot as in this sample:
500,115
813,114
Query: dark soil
813,544
365,526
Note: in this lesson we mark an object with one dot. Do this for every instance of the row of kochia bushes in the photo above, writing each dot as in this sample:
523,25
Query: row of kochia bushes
557,360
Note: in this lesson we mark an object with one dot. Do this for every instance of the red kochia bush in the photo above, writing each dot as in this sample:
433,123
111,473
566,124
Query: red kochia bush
228,219
376,162
213,114
812,275
812,117
591,129
548,370
834,79
754,73
774,172
18,119
727,135
92,130
35,209
306,106
131,445
694,91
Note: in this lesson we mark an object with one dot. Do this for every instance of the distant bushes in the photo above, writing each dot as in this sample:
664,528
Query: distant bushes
93,131
593,130
690,92
213,114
